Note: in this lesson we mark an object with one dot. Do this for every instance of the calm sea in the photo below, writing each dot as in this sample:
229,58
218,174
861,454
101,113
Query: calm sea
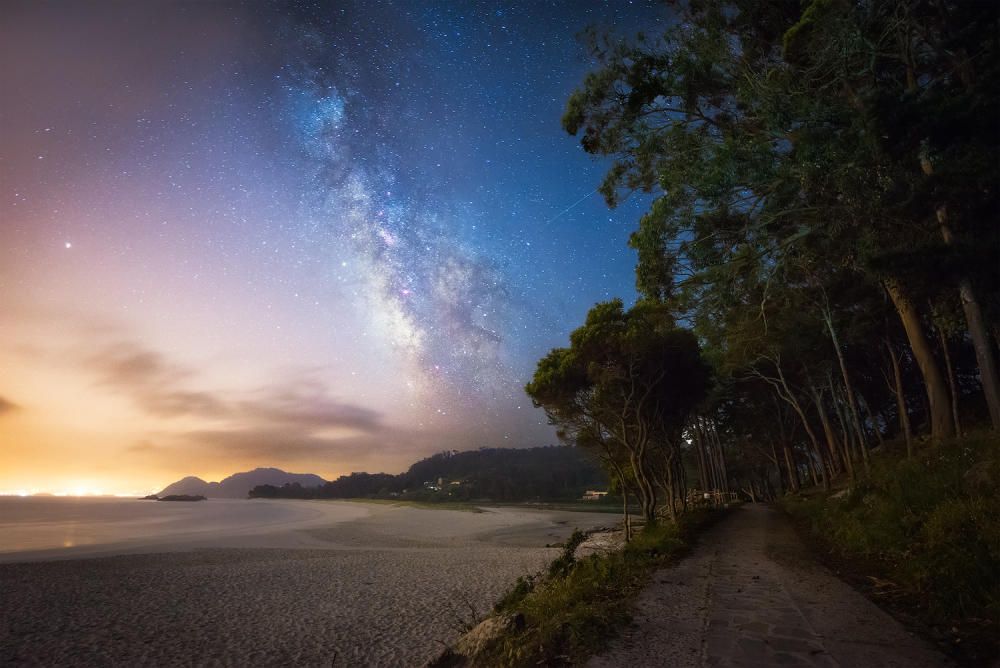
81,525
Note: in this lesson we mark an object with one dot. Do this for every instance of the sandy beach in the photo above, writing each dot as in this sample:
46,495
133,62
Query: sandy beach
338,583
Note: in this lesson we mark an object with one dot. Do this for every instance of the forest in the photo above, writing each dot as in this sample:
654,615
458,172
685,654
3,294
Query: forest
818,268
494,474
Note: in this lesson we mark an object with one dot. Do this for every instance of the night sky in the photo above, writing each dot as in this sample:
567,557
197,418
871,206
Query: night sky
327,237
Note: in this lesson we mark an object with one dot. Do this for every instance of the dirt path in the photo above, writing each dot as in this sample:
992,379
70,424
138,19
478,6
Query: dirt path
750,595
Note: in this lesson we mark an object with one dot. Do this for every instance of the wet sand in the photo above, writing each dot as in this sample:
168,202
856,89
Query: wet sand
389,587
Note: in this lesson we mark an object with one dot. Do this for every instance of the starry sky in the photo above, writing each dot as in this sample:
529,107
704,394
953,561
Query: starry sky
328,237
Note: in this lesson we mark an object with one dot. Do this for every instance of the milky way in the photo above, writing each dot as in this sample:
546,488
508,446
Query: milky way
368,207
437,301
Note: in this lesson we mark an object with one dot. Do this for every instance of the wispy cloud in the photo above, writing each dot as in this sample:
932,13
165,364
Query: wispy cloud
164,388
306,402
7,406
155,383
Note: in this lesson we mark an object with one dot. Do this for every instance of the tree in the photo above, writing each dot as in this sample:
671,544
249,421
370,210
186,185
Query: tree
627,384
804,148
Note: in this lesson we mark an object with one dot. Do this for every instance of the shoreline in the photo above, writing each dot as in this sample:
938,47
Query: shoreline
389,588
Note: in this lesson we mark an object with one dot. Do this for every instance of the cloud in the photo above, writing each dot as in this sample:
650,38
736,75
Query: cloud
154,382
306,402
387,450
165,389
274,443
7,406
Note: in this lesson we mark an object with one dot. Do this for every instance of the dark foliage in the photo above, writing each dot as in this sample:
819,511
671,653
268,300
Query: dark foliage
497,474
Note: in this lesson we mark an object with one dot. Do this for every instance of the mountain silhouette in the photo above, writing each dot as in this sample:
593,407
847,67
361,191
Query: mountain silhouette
238,485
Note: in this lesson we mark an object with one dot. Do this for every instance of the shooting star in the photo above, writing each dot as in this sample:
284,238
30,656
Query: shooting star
569,208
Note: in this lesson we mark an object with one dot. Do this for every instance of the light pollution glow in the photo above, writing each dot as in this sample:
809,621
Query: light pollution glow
323,239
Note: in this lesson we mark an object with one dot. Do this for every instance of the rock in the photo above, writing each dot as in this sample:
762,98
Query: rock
601,543
488,630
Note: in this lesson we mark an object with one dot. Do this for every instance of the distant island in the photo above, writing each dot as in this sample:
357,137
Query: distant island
557,473
183,497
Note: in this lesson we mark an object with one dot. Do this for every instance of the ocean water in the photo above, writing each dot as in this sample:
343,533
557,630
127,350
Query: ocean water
52,527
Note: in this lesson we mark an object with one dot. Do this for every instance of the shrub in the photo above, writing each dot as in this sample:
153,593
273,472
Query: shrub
930,521
570,614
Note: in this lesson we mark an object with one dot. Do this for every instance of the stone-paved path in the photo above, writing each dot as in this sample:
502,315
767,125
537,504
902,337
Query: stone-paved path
750,595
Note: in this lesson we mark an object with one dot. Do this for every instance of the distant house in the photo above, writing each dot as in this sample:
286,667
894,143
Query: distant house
593,495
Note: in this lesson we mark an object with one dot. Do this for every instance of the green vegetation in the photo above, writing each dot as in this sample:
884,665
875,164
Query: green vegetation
625,388
927,529
823,218
823,233
486,475
569,615
182,497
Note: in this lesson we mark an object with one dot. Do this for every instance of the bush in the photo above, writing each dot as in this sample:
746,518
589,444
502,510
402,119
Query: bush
570,614
930,522
562,565
957,564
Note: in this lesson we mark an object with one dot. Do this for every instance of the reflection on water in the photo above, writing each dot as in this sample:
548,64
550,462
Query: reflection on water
56,523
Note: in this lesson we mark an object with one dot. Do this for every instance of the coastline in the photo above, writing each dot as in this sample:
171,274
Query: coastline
391,587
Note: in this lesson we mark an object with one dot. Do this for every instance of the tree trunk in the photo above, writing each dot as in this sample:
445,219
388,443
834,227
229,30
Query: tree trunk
848,390
670,487
952,385
700,447
811,465
871,416
974,320
715,456
849,437
904,415
831,440
628,518
777,469
942,426
814,442
721,455
793,473
647,494
984,351
680,476
624,485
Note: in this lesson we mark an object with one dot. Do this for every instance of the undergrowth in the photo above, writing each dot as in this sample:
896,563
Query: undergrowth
929,524
569,615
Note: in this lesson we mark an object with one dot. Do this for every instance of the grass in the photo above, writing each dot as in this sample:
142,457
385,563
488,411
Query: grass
926,533
569,615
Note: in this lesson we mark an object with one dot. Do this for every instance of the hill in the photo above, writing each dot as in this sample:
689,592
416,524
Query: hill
497,474
238,485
